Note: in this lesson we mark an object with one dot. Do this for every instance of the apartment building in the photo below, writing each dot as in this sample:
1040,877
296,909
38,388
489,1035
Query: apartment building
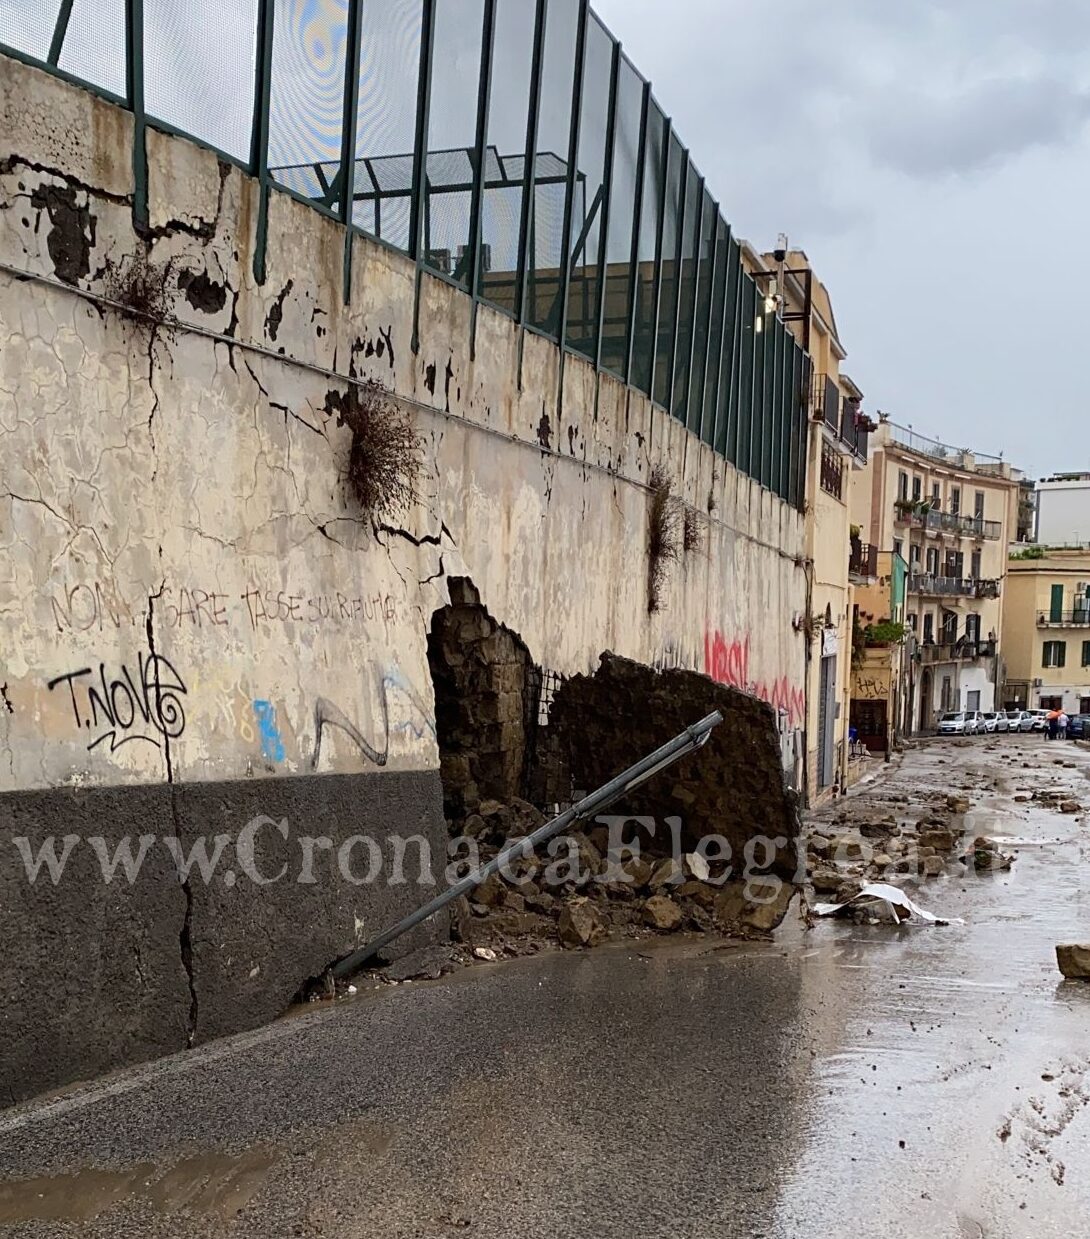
882,658
949,513
836,457
1046,629
1063,510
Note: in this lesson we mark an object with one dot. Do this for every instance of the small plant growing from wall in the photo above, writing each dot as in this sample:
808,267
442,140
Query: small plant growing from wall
384,459
139,289
665,535
692,535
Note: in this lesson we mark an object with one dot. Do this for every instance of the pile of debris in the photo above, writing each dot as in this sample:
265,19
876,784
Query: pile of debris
843,855
578,894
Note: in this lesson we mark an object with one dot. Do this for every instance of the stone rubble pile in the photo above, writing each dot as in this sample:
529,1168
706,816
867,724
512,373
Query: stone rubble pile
545,899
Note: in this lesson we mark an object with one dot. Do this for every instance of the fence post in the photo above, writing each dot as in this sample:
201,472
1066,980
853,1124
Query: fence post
480,159
134,93
348,137
420,160
259,134
59,31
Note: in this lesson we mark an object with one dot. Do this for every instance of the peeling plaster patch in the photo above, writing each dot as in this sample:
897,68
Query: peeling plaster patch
545,431
386,334
7,700
201,292
449,380
429,377
73,230
276,314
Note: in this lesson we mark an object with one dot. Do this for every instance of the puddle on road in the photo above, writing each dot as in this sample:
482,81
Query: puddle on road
210,1183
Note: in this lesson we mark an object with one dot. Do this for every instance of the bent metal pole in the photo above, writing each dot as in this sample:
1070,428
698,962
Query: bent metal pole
691,738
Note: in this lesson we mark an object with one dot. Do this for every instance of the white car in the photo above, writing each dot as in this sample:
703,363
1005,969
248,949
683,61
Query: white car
958,723
991,721
1040,719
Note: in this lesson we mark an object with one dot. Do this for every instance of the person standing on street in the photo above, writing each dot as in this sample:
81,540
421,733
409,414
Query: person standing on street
1053,721
1062,722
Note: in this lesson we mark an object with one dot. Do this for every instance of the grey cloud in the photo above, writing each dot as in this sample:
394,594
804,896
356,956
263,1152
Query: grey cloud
982,126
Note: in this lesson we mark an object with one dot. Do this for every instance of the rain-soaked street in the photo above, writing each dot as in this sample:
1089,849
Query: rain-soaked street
850,1079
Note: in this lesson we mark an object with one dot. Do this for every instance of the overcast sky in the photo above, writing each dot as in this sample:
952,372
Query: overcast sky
933,159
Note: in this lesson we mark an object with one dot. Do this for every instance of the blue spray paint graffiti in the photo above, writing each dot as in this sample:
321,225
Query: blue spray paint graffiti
272,747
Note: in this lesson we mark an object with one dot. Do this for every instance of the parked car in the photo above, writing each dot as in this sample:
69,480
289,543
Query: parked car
957,723
1040,719
1078,727
989,722
1002,723
1019,721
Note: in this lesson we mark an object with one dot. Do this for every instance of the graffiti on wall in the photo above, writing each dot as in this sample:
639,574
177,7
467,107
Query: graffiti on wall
397,699
728,663
125,707
87,606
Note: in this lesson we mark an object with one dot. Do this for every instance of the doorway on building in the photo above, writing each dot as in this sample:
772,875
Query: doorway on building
972,699
826,754
926,693
870,720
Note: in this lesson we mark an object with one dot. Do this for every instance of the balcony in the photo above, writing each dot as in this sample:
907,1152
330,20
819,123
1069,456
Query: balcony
850,426
956,651
863,560
920,516
1064,619
952,586
832,471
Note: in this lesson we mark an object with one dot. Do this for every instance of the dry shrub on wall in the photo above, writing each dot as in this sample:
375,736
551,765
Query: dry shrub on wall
140,287
692,534
664,535
384,459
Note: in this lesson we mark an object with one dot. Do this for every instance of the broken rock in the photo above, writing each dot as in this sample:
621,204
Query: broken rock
660,912
580,924
1073,959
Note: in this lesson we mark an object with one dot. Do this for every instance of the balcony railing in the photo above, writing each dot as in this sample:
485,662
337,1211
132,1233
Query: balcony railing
832,471
1064,619
908,513
956,651
842,415
952,586
863,560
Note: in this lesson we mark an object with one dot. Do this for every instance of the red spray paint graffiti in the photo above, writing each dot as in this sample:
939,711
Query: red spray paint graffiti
728,662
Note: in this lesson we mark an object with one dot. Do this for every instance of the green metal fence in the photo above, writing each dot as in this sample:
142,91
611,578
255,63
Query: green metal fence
507,146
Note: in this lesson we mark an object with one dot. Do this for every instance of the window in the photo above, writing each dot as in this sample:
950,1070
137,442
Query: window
978,505
1084,705
902,486
955,500
949,627
947,692
972,628
897,544
913,553
917,489
974,571
1056,605
936,496
912,618
1086,654
929,628
933,561
1055,654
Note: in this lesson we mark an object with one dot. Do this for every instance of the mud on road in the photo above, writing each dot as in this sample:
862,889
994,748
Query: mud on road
845,1079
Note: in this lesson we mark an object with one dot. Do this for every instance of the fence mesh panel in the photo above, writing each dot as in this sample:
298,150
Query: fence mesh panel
199,73
28,27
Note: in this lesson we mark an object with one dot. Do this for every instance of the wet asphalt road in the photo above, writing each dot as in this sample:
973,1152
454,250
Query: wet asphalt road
862,1080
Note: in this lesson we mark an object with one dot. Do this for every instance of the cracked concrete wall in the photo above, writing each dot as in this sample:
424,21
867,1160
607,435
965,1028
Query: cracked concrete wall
171,504
193,602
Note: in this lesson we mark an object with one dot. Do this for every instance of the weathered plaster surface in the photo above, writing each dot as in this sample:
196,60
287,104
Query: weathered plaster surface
173,518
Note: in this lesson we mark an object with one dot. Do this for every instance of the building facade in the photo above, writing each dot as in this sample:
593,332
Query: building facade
1063,510
882,658
840,558
1046,625
950,514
